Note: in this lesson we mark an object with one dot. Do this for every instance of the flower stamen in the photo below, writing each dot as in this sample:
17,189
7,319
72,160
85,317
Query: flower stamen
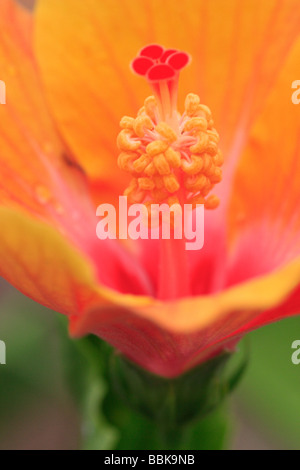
172,158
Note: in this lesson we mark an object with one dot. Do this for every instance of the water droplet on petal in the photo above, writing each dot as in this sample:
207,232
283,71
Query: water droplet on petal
43,194
59,208
12,70
76,215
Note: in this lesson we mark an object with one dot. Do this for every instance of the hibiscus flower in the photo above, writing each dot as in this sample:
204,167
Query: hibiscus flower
68,85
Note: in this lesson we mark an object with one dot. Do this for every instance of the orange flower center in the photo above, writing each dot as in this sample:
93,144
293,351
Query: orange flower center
172,158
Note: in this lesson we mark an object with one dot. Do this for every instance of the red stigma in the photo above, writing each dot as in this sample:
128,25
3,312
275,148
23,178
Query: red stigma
157,63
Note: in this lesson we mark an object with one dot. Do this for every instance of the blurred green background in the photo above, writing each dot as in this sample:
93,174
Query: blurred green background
38,412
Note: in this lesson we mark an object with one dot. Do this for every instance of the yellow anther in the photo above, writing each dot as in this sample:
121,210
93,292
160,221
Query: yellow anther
206,111
197,200
150,169
150,107
161,164
207,162
125,161
207,189
141,123
213,135
196,123
202,143
217,176
125,141
210,171
218,159
172,200
194,166
146,183
192,103
130,191
171,183
159,182
141,163
166,131
212,202
212,148
171,161
134,194
173,157
196,183
156,147
127,122
159,194
141,111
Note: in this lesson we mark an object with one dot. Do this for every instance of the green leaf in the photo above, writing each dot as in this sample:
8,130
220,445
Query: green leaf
126,407
270,391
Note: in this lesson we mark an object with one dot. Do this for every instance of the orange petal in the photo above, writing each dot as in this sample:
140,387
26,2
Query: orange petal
169,338
166,338
36,169
42,264
264,212
37,260
38,174
84,50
